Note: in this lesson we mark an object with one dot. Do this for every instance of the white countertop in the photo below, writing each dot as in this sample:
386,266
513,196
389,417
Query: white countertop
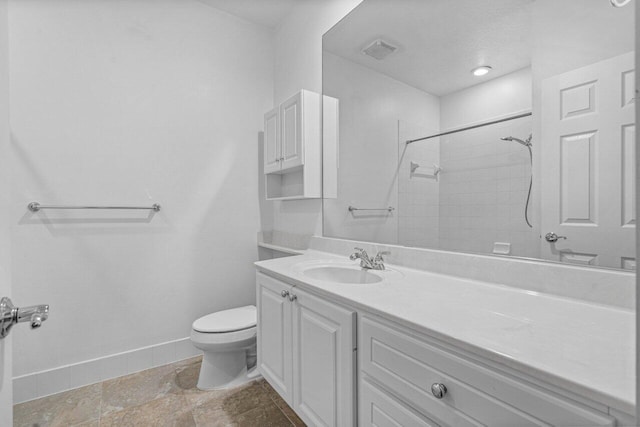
582,347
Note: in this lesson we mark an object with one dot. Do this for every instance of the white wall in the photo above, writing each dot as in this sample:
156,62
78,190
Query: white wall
123,103
5,247
298,65
369,157
495,98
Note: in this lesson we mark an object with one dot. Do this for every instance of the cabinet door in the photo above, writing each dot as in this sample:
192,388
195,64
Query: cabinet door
274,335
323,361
271,141
292,132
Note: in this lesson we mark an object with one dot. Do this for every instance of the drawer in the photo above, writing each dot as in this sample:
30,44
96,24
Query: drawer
476,395
379,409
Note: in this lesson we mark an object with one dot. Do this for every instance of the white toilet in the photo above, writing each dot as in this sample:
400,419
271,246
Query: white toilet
228,340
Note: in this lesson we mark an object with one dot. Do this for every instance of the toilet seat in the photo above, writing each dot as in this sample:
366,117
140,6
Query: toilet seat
224,337
226,321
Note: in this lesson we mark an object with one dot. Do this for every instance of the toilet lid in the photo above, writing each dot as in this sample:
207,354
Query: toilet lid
234,319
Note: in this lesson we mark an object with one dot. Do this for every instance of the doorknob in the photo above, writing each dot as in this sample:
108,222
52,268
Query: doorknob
553,237
10,315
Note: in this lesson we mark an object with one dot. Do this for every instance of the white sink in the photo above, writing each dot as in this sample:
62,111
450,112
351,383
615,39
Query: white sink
342,274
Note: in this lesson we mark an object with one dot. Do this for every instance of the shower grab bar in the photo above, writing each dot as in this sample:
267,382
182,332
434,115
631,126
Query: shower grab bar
492,122
35,207
388,209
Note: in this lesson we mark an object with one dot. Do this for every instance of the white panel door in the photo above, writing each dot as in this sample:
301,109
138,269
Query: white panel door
588,164
292,131
6,392
271,141
323,361
274,335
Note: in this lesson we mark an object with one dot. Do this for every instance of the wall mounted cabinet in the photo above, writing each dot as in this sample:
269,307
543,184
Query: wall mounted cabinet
306,350
293,148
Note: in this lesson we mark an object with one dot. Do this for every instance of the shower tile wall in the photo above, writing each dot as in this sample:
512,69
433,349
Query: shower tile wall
483,189
418,192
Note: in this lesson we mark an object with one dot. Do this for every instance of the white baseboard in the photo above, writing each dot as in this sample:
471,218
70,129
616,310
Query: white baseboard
43,383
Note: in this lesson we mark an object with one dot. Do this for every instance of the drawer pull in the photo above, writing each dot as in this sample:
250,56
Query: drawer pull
284,294
438,390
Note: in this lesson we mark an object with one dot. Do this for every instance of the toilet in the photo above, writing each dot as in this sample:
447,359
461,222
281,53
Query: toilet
228,340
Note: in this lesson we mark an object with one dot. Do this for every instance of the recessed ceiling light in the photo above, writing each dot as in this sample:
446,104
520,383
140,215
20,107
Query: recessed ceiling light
481,71
619,3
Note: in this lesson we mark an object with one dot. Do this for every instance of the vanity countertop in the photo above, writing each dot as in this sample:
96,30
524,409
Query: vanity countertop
584,347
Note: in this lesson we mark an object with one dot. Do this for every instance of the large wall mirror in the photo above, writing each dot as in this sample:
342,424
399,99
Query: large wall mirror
500,127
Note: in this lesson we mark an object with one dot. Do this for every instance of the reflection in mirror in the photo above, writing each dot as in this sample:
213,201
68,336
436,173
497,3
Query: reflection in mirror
500,127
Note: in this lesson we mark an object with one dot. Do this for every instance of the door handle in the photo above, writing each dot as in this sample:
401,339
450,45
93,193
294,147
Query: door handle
553,237
10,315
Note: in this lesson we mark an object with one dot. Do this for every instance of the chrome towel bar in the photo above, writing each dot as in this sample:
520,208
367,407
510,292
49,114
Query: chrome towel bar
35,207
388,209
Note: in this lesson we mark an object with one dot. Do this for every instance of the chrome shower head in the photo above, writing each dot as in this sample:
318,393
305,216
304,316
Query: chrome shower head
526,143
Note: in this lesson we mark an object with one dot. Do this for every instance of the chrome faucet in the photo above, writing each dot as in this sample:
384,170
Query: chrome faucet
10,315
366,262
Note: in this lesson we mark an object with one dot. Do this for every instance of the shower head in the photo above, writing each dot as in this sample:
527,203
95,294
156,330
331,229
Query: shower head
526,143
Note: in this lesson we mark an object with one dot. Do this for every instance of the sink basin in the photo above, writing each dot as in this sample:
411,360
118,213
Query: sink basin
340,274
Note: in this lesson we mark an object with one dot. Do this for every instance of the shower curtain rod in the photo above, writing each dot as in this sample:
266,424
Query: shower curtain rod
493,122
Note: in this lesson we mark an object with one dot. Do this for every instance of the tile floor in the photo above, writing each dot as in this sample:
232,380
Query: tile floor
163,396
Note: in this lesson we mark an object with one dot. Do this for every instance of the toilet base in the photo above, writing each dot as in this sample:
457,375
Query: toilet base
225,370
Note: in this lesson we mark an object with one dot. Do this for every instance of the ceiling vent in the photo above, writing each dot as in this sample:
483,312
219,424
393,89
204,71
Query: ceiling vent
379,49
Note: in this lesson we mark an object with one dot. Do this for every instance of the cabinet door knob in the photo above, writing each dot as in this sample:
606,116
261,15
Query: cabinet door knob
438,390
277,160
293,297
284,294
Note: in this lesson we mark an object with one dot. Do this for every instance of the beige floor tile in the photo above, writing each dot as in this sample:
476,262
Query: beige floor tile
187,374
169,411
94,423
224,408
287,411
164,396
138,389
63,409
264,416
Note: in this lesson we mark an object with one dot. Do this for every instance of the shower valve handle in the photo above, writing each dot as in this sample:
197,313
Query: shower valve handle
553,237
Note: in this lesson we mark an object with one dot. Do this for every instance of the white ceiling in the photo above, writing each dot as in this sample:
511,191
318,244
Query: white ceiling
268,13
438,45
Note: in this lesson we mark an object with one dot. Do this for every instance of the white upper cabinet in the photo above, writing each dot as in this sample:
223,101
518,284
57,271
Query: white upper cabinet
292,133
294,140
271,142
292,112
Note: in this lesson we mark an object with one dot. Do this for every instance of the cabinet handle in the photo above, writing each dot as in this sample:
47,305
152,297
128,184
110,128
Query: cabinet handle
293,297
438,390
284,294
277,160
282,159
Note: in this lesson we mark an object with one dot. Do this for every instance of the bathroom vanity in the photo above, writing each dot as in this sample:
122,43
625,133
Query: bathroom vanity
345,346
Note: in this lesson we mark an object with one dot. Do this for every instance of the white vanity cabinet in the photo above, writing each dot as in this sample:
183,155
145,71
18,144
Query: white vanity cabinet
399,369
306,351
